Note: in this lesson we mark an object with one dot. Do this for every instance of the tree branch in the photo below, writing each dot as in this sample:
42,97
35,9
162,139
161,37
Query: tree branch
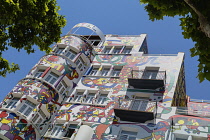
204,24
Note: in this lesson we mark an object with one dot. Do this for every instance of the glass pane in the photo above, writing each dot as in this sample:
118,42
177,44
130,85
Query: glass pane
9,104
107,50
52,81
48,78
72,56
22,108
35,117
28,111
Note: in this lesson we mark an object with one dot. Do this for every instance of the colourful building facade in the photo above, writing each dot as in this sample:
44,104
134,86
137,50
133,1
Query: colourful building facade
104,87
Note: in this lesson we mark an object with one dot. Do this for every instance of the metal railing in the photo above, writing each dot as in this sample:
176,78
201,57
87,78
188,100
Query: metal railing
127,104
187,111
141,74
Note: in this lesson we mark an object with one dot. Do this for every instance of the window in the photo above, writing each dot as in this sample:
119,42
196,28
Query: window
116,72
38,118
27,108
71,54
79,63
57,129
107,50
150,74
61,87
140,103
12,103
70,130
94,71
39,73
127,50
102,99
128,135
78,97
51,78
90,98
105,71
117,50
59,50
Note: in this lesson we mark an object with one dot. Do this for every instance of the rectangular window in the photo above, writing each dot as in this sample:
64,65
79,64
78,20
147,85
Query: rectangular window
61,87
140,103
39,73
105,71
12,103
27,108
107,50
90,98
94,71
127,50
71,54
39,118
128,135
150,74
51,78
116,72
78,97
79,63
117,50
70,130
56,130
59,50
102,99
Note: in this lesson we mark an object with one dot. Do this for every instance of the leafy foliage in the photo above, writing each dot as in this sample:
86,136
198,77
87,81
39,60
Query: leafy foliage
24,23
190,13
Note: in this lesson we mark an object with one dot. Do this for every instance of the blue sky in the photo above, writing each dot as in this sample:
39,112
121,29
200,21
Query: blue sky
123,17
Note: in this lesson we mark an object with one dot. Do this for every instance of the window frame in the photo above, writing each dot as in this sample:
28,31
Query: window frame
50,79
72,127
102,99
117,49
94,71
127,48
79,63
116,72
27,108
62,86
59,50
39,118
107,48
12,103
56,130
90,97
78,97
39,73
72,54
105,71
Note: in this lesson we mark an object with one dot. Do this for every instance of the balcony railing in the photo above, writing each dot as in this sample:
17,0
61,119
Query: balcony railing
141,74
147,79
136,105
187,111
135,110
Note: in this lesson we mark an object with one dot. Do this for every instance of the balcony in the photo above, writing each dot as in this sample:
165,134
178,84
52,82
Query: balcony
149,79
135,110
191,112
